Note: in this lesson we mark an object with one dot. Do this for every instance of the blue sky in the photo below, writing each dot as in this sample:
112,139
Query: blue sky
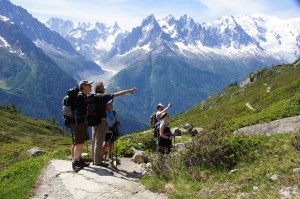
130,13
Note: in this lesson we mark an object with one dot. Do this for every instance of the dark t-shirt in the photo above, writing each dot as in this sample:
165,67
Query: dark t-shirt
100,103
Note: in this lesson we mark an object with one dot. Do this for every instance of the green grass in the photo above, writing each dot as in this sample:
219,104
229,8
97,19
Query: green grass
18,133
18,179
275,156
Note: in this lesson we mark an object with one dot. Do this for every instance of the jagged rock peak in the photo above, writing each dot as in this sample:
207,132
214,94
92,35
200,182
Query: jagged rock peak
149,20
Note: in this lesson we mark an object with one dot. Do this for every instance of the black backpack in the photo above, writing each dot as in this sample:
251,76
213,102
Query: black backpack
68,106
93,117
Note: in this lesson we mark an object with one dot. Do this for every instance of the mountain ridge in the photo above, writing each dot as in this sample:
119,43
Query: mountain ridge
52,43
29,78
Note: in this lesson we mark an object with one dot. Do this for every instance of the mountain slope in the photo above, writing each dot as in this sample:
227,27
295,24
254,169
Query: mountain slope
54,45
273,94
28,77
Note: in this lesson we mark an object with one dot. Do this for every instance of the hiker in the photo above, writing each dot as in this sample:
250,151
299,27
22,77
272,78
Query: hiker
99,130
111,131
79,126
161,109
165,135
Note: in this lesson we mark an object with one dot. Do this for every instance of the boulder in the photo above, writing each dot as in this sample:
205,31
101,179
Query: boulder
35,152
196,130
140,157
188,126
183,131
176,131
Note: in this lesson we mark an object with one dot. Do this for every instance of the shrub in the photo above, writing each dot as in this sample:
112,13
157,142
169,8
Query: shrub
124,148
125,143
296,141
220,149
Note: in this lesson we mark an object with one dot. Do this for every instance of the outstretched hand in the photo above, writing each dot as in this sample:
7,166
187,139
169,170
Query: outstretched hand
132,90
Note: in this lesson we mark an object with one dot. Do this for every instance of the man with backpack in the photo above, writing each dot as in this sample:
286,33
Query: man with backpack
79,125
99,130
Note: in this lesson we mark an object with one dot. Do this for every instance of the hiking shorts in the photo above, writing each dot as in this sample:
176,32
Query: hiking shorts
110,137
80,133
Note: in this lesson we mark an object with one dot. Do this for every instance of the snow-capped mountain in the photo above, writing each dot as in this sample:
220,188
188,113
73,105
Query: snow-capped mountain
228,36
52,43
280,38
91,40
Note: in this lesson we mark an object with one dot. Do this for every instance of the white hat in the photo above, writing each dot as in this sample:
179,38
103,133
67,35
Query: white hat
160,105
84,83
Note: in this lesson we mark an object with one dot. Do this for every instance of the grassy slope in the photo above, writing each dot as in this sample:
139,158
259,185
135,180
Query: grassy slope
284,83
18,133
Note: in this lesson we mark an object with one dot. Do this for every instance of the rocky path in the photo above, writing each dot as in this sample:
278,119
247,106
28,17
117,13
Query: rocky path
59,181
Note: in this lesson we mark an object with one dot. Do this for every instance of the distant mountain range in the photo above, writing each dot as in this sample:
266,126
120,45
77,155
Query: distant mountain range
227,36
169,60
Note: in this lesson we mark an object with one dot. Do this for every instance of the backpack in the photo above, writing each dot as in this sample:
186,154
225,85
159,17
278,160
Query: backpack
68,106
156,129
153,120
93,117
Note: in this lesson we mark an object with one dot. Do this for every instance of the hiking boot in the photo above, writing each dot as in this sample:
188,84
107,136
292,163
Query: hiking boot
83,164
76,166
102,164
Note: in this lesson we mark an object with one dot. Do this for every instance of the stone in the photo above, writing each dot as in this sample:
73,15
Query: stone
183,131
176,131
274,177
179,146
188,126
140,157
233,171
289,192
35,152
296,170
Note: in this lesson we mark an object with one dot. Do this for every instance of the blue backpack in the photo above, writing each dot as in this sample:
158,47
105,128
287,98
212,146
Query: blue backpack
156,129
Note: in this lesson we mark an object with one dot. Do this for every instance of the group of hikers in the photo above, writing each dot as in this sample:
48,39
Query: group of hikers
104,131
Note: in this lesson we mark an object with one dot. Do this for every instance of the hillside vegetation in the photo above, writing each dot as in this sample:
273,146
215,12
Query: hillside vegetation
19,133
217,164
274,94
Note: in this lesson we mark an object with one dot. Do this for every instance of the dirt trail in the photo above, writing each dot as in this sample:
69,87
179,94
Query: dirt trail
59,181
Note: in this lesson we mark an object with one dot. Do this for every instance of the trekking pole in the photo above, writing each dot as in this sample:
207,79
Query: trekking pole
116,156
